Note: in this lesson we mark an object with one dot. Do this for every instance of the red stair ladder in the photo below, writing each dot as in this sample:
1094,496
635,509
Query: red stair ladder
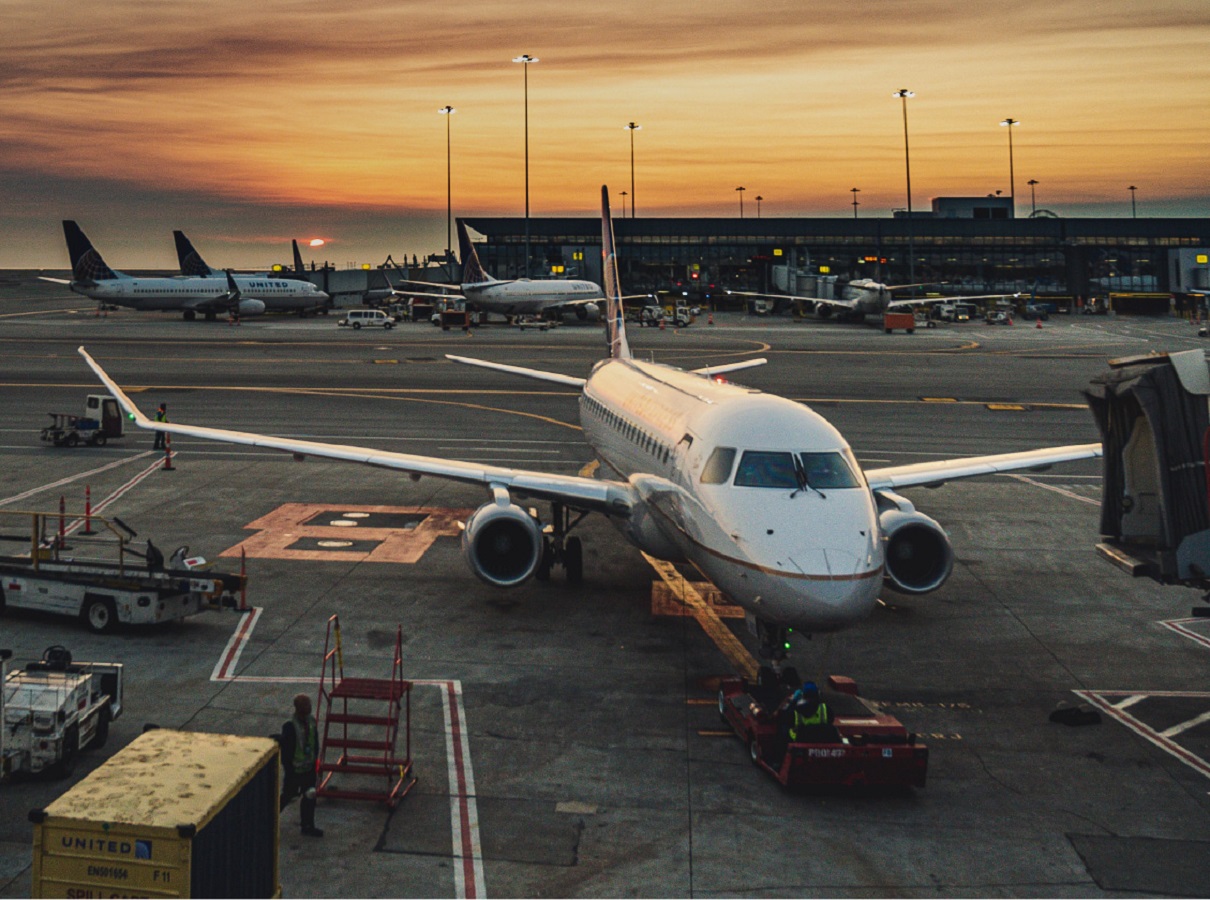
361,726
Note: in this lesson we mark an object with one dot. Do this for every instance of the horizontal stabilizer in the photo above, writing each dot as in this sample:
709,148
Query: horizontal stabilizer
537,374
711,371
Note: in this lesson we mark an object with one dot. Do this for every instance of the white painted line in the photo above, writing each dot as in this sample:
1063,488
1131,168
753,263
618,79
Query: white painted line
1058,490
68,480
1185,726
467,846
1098,699
1130,701
1178,625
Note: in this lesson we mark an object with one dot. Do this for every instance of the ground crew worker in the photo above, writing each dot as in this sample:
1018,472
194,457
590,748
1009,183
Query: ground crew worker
807,710
161,415
299,759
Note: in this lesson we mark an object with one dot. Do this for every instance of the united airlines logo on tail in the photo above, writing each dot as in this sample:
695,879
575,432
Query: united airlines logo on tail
615,328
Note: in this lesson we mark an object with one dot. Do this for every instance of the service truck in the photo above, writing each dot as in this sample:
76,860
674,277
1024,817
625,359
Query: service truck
101,421
54,708
103,580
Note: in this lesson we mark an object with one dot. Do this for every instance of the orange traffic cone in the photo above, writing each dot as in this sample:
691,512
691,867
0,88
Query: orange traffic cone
1039,325
661,323
710,319
168,467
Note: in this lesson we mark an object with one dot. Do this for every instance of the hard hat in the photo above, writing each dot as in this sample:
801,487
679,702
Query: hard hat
809,688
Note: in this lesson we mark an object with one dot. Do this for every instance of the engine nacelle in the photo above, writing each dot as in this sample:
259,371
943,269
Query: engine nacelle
250,307
502,544
919,556
588,312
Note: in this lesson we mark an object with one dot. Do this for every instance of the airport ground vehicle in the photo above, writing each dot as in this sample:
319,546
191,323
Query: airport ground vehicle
1036,311
173,814
104,581
101,421
53,709
863,747
356,318
653,315
902,320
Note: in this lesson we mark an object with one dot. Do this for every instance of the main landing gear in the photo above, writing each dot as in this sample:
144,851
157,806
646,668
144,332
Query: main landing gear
560,550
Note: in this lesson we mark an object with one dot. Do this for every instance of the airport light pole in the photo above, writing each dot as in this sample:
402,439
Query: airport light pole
741,200
758,199
448,111
525,59
624,196
1033,198
1134,213
903,94
1012,183
632,128
855,192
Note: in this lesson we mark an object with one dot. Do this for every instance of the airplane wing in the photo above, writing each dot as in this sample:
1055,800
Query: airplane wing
711,371
849,305
919,301
936,473
536,374
609,497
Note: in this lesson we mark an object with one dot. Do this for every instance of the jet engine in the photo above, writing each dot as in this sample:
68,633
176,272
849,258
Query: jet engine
250,307
919,556
502,543
588,312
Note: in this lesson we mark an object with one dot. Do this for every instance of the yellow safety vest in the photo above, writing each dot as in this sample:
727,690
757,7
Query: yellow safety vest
306,745
819,717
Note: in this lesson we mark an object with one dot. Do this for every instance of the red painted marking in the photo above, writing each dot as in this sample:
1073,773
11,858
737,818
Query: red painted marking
468,860
241,636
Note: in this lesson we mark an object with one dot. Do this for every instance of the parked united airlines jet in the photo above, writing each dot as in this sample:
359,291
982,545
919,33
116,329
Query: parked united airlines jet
866,297
208,294
518,297
759,493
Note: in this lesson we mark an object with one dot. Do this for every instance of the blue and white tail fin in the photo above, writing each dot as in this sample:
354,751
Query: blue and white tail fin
86,262
472,270
299,268
615,318
191,261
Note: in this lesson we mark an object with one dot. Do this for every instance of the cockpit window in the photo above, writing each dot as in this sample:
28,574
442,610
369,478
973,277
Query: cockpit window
828,470
772,469
763,468
718,466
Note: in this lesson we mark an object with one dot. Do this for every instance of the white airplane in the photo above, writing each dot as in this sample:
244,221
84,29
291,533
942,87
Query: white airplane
208,295
866,297
516,297
759,493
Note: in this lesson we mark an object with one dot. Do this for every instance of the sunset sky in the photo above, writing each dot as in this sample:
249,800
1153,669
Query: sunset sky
247,124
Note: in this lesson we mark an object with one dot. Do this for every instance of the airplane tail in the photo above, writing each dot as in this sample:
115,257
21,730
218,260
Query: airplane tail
472,270
615,319
191,261
299,268
86,262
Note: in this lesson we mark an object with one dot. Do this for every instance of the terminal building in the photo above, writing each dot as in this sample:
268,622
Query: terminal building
963,245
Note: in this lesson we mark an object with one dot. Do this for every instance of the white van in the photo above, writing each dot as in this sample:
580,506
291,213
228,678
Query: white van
369,317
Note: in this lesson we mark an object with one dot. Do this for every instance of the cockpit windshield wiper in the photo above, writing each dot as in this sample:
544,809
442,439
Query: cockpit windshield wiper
800,475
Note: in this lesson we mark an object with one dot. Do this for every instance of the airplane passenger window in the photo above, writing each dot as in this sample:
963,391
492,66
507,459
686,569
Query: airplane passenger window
768,469
828,470
718,467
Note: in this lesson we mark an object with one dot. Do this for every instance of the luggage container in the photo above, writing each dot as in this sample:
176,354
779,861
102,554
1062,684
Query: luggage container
174,814
902,320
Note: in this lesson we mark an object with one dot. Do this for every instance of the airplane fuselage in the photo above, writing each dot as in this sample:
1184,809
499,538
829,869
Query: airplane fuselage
714,463
201,293
525,297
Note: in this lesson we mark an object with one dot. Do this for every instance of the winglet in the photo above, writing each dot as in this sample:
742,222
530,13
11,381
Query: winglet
615,323
118,394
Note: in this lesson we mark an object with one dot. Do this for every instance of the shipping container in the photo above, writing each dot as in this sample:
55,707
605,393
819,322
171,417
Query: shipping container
173,814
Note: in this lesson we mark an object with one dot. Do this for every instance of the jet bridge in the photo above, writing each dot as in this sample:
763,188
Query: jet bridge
1154,416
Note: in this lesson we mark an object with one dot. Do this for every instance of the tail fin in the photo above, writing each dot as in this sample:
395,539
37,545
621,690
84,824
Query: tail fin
472,270
615,319
299,268
191,261
86,262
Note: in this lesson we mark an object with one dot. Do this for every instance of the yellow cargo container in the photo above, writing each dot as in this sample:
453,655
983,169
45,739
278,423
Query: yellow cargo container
173,814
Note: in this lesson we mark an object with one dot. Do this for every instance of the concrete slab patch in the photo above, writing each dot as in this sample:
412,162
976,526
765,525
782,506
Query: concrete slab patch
1147,865
309,531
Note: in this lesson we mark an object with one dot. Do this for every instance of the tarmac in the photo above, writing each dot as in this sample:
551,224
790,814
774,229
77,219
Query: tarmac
565,739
